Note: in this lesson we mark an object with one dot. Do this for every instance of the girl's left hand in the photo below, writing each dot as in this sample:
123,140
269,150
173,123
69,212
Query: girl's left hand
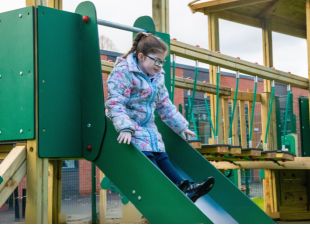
188,132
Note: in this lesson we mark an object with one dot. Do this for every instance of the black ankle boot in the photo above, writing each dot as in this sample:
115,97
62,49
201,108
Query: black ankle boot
196,190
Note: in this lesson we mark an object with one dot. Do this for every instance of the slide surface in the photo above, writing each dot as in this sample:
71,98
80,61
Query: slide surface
158,199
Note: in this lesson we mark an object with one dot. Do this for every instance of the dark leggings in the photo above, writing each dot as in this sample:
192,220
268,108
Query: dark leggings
161,160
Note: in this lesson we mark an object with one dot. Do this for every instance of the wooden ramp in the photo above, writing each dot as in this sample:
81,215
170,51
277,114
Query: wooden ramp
12,170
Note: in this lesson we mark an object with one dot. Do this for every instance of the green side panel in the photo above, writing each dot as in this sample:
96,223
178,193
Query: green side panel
71,105
154,195
290,142
17,75
60,131
92,99
279,123
304,125
224,193
145,22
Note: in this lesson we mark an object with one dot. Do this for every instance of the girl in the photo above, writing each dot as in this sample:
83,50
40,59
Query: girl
136,88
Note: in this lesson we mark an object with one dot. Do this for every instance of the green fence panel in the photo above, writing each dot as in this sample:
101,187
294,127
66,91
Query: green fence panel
17,75
304,125
71,104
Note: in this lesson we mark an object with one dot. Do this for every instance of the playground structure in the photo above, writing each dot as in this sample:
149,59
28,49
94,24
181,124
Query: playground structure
43,134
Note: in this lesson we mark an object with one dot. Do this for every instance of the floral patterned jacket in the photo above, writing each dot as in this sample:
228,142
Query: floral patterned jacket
132,99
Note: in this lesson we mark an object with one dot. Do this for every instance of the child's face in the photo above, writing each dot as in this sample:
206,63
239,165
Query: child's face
151,63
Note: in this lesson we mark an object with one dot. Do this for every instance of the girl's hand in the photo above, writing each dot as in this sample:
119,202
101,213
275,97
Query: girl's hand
187,133
124,137
190,133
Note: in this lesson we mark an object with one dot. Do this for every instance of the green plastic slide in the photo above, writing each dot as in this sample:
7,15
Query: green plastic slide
158,199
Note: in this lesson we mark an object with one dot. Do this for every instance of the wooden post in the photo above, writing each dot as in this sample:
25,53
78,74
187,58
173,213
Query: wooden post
57,4
235,134
268,62
267,50
54,187
308,38
43,177
214,45
270,194
160,12
37,188
269,184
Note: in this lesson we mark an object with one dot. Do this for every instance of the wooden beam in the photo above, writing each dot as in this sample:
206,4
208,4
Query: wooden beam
180,82
299,163
228,62
267,11
188,84
160,12
6,148
242,124
246,96
281,25
214,58
11,163
221,5
12,184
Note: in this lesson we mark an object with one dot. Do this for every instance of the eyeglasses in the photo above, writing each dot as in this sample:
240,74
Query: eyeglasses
157,62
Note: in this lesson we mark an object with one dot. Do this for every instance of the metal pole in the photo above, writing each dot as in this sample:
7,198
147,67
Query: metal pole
252,113
119,26
173,77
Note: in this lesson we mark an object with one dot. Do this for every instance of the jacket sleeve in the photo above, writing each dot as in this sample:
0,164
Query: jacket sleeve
167,110
119,88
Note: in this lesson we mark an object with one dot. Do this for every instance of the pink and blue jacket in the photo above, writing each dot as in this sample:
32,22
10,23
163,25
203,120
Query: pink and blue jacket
132,100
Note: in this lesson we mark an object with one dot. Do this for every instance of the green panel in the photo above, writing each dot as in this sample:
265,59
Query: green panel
71,105
92,99
279,123
224,193
145,22
134,175
304,125
60,133
17,75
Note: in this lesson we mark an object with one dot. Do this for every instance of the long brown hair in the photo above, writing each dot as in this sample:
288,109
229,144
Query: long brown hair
147,43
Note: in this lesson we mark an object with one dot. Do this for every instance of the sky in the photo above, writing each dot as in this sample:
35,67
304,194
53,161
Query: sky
289,53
